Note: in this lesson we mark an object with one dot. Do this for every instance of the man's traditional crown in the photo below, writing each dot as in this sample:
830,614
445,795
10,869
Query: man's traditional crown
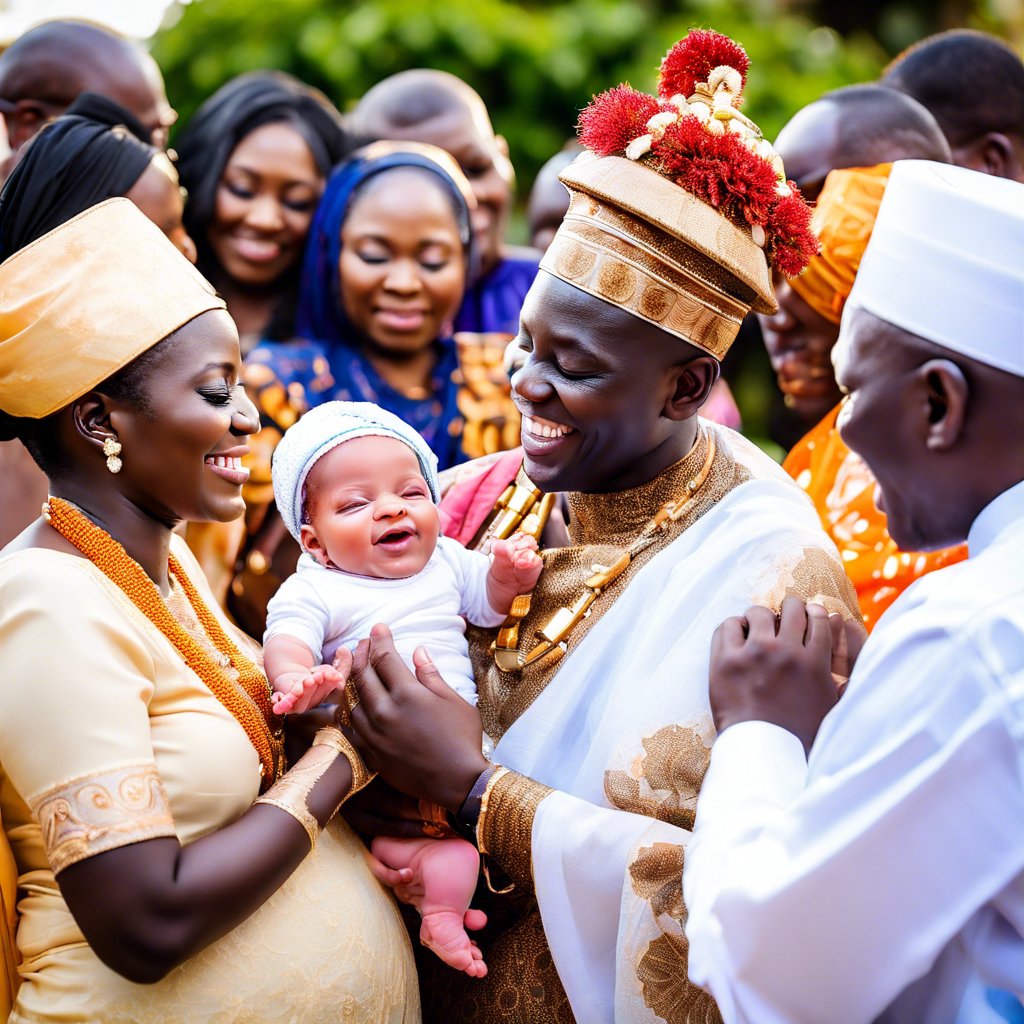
694,134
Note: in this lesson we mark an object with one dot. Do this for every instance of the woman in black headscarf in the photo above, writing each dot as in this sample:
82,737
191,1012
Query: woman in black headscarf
254,159
90,154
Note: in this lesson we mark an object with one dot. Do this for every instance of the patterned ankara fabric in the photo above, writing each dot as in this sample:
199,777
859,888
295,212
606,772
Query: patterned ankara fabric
843,491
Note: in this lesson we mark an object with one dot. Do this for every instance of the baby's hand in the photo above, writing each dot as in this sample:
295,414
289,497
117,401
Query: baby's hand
516,566
295,692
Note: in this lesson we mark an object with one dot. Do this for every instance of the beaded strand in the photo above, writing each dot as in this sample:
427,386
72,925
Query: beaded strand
248,699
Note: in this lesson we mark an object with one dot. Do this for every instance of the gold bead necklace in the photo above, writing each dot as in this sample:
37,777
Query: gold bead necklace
248,698
553,635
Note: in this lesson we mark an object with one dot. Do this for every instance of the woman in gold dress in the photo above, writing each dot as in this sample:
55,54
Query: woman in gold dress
169,867
595,692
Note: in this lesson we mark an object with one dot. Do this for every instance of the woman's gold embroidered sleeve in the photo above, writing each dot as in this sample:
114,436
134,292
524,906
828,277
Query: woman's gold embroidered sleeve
102,811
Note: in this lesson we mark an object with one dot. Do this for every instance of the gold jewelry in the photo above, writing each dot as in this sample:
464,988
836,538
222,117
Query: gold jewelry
332,737
247,697
300,814
349,699
481,831
291,792
554,633
522,508
112,449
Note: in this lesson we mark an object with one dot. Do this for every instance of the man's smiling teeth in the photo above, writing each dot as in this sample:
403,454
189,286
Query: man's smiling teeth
545,428
224,462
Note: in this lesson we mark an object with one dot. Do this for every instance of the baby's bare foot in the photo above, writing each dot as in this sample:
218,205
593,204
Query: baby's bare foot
444,932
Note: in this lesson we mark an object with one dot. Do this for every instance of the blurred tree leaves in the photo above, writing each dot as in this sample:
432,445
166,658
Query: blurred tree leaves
535,64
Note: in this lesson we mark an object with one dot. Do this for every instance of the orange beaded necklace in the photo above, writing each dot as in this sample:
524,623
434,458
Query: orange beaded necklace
248,698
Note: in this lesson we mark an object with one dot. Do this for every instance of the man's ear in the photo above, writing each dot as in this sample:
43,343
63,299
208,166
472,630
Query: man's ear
505,168
23,120
311,544
692,384
946,393
991,153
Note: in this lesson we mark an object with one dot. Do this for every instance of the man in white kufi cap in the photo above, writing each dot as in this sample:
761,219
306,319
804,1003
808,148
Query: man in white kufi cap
881,878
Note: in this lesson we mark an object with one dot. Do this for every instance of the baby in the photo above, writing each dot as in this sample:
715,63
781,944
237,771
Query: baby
357,487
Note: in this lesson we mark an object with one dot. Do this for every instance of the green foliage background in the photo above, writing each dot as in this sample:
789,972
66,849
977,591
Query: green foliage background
534,64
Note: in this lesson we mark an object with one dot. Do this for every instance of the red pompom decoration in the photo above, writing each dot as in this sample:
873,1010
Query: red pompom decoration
614,119
791,242
692,59
717,169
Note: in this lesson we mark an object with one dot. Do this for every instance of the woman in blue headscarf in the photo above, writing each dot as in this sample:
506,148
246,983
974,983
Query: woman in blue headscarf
385,268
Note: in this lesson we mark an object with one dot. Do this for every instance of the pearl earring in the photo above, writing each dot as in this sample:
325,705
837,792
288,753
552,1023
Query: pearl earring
112,449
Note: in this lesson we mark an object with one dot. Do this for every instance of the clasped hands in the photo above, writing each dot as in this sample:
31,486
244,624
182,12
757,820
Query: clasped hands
788,669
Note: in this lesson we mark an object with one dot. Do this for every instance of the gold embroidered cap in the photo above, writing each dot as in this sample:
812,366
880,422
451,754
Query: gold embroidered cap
84,300
680,209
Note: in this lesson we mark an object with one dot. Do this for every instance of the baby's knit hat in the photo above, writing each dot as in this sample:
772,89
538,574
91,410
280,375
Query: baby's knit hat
324,428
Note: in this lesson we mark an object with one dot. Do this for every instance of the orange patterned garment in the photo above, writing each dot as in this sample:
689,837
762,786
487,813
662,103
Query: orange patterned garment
843,491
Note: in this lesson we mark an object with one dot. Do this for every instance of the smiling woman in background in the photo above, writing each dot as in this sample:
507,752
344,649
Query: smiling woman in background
385,271
254,159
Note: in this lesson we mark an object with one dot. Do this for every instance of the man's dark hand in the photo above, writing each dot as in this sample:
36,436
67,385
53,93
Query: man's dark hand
379,810
774,669
422,737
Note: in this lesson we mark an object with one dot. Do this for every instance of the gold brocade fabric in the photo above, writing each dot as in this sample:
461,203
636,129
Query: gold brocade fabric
602,527
656,875
522,984
664,783
101,811
505,829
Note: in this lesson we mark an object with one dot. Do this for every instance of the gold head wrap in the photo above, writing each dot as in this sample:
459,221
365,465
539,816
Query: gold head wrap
636,239
843,220
681,207
84,300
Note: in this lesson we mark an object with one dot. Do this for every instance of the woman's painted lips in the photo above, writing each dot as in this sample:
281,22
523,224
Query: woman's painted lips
229,467
257,250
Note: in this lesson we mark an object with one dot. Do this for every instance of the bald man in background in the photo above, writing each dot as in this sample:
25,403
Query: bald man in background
858,126
973,84
45,70
423,105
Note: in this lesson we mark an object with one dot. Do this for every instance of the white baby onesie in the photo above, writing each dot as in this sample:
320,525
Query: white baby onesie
327,609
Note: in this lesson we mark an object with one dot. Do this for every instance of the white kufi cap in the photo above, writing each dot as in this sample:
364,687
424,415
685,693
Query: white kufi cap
324,428
946,261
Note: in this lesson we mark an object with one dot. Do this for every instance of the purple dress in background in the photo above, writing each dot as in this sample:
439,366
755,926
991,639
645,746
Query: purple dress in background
492,305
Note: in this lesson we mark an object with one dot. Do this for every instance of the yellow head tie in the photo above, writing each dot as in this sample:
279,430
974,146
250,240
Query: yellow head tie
843,220
84,300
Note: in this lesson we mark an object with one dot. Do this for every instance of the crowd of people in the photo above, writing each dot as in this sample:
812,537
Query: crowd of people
363,576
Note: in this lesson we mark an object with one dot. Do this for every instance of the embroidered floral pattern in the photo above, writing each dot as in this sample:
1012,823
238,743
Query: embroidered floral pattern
102,811
664,781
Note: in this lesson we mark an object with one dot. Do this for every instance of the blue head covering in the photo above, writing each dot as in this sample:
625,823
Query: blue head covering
321,313
327,360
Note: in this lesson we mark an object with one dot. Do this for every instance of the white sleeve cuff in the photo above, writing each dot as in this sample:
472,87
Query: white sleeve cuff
752,763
